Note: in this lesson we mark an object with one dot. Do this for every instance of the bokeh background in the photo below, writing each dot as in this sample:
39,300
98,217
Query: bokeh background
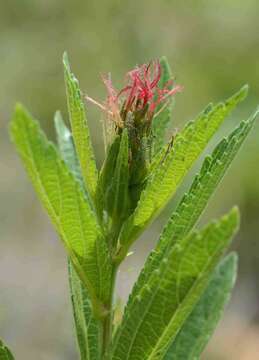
213,48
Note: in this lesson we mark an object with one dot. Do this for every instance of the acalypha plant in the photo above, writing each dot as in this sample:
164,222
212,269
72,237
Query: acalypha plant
98,214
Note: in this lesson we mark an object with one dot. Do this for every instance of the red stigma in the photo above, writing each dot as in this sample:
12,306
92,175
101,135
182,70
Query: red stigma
142,92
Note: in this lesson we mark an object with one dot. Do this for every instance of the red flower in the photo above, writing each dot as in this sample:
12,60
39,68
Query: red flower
142,92
141,86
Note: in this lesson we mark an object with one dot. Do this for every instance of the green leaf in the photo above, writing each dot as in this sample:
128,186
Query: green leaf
154,317
200,325
5,353
161,121
66,146
67,206
169,173
194,202
117,198
106,176
88,328
80,129
113,186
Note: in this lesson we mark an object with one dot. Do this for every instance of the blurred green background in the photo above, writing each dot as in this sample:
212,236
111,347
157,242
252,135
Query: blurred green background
213,48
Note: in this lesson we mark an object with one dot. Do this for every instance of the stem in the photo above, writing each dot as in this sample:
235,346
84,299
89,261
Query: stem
108,320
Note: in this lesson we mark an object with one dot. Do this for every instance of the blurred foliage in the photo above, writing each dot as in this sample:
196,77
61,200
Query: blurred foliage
213,48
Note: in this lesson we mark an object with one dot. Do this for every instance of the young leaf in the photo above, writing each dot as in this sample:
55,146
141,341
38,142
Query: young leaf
106,176
5,353
194,202
117,198
153,318
200,325
161,121
113,187
88,328
62,196
66,146
80,129
166,177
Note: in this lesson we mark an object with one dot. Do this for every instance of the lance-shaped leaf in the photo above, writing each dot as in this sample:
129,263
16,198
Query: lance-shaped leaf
195,201
66,146
5,353
169,173
113,183
88,329
63,198
161,121
155,316
106,176
205,183
80,129
200,325
117,192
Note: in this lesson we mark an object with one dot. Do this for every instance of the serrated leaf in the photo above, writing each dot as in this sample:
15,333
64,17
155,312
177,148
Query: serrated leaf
213,169
168,174
200,325
80,129
88,328
153,318
161,121
195,201
5,353
66,204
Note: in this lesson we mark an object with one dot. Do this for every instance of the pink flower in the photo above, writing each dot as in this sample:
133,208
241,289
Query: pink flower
141,93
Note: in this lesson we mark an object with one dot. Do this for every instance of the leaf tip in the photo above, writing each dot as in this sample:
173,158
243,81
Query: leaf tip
19,109
163,59
234,217
66,61
58,117
60,125
231,259
230,264
58,120
243,92
256,113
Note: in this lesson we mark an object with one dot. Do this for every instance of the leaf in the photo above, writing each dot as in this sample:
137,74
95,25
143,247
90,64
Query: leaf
113,187
106,176
5,353
167,175
200,325
88,328
161,121
80,129
66,205
117,199
66,146
153,318
194,202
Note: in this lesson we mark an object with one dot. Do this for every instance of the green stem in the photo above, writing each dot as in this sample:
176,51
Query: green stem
108,320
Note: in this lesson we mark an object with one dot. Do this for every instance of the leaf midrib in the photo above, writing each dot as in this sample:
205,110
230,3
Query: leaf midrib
182,304
147,307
